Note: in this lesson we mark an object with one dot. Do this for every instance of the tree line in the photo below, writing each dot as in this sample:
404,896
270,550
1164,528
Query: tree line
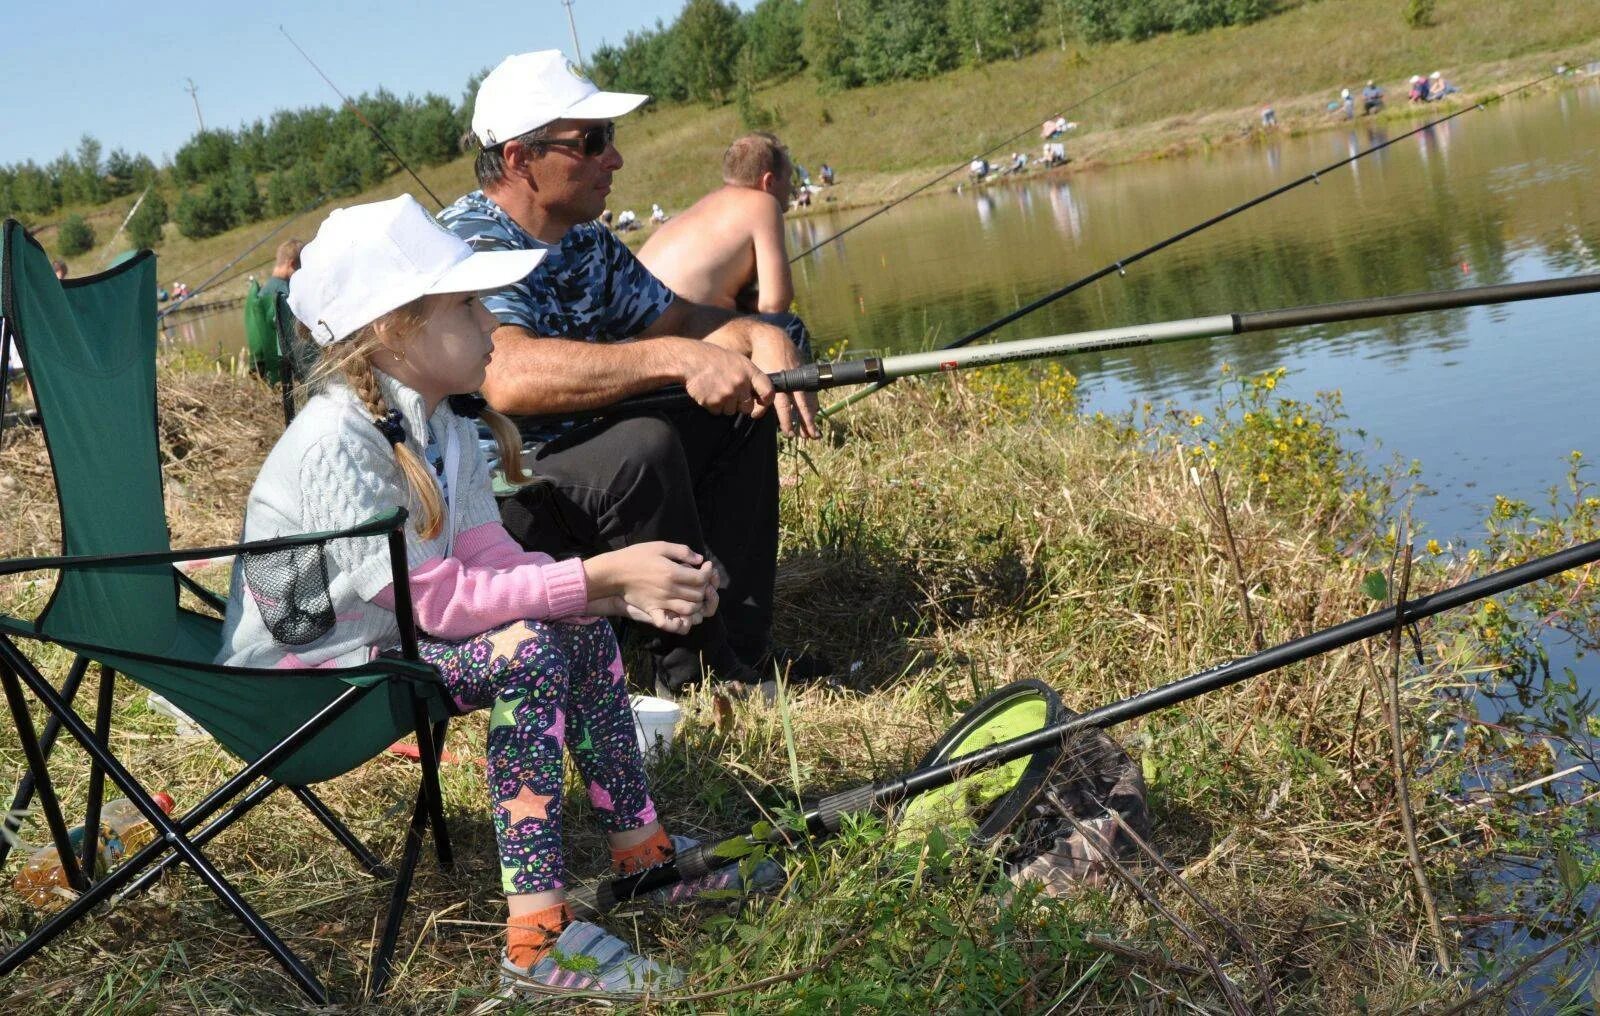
223,178
712,52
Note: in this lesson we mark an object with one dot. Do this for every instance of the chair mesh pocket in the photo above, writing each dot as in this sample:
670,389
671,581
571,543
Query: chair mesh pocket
290,587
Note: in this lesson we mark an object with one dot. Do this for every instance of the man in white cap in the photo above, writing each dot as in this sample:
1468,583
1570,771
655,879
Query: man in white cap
592,326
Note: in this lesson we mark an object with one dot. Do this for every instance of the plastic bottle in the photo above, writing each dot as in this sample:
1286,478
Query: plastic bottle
42,882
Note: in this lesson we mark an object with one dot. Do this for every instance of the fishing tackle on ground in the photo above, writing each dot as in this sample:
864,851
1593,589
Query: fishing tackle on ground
827,816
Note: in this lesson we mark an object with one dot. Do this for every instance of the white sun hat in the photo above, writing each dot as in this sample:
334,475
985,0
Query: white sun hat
529,90
367,260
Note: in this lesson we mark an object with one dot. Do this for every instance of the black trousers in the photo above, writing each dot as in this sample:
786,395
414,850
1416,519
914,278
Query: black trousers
689,477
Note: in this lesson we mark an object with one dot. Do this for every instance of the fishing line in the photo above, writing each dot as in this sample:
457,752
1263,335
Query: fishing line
370,126
981,155
1120,266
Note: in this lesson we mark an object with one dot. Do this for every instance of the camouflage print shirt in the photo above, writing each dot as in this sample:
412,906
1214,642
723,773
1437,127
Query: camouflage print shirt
589,287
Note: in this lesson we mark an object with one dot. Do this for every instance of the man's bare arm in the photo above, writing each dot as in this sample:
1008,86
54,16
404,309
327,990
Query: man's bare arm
533,374
776,290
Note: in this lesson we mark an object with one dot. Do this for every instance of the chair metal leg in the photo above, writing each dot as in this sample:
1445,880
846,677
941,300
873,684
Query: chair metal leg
41,770
47,741
429,810
383,962
375,867
12,665
97,776
261,792
430,745
170,833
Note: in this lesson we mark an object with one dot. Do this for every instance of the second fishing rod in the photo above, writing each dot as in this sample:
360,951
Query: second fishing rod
827,816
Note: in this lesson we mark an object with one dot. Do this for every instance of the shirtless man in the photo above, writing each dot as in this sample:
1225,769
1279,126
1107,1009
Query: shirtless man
727,250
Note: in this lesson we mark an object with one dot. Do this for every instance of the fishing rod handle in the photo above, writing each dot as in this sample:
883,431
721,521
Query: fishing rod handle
814,377
811,377
829,813
590,901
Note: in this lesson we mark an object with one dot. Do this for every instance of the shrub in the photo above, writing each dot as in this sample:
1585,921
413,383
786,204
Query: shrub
1419,13
75,236
205,213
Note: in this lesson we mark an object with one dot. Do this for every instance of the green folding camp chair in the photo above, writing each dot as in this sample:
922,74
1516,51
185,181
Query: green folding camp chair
89,346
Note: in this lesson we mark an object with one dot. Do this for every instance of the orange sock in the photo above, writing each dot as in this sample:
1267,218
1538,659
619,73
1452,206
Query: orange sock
656,850
530,936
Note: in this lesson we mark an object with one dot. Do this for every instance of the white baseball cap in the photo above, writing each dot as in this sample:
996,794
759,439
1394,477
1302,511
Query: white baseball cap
367,260
529,90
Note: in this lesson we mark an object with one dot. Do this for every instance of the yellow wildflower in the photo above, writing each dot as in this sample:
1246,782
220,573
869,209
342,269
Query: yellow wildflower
1434,548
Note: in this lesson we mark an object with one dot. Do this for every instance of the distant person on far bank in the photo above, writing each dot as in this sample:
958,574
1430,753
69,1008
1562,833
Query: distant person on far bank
59,267
1371,98
825,174
1418,89
1439,87
727,250
658,215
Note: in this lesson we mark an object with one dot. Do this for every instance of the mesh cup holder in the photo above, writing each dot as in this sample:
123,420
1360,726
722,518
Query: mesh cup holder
290,588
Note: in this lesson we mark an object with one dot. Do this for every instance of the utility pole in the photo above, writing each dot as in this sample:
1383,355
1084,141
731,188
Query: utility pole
194,93
577,50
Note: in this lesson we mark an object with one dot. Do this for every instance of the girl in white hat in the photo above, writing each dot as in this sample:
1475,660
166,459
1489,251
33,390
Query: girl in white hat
389,296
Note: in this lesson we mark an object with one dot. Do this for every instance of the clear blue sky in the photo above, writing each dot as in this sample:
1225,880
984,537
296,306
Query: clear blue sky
118,70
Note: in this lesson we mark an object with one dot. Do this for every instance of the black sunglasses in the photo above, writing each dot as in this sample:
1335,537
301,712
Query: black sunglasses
594,142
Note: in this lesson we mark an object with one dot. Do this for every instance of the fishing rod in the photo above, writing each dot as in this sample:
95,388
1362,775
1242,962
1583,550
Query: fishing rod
1120,266
880,371
981,155
360,116
827,816
106,256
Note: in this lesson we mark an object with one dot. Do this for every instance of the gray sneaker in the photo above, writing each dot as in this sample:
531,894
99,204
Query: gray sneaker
587,959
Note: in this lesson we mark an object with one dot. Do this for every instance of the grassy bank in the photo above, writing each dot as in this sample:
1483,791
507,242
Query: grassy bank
1199,91
948,538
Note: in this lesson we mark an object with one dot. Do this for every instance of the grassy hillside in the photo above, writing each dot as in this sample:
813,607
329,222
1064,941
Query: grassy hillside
1197,91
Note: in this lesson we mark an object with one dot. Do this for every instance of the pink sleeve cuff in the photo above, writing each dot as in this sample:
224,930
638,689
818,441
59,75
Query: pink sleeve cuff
566,587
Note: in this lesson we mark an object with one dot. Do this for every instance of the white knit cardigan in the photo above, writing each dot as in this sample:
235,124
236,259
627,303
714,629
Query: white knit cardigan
333,469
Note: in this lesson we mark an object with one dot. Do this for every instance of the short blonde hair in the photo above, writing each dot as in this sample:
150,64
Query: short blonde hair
289,254
352,358
753,156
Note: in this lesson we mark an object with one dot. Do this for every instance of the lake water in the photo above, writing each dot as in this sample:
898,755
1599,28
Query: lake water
1490,400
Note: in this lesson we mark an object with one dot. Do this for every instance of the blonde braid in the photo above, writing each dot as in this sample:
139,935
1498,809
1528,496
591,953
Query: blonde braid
418,477
509,441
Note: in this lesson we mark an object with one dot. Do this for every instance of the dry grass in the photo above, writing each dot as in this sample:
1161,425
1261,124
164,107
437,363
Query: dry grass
947,549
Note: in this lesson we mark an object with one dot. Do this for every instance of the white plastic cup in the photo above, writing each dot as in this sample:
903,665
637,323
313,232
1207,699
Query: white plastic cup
655,721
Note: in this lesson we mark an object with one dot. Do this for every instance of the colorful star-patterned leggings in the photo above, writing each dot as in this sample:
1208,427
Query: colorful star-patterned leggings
541,682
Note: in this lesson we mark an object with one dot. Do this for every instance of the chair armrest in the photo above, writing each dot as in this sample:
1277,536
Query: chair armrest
383,523
201,593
